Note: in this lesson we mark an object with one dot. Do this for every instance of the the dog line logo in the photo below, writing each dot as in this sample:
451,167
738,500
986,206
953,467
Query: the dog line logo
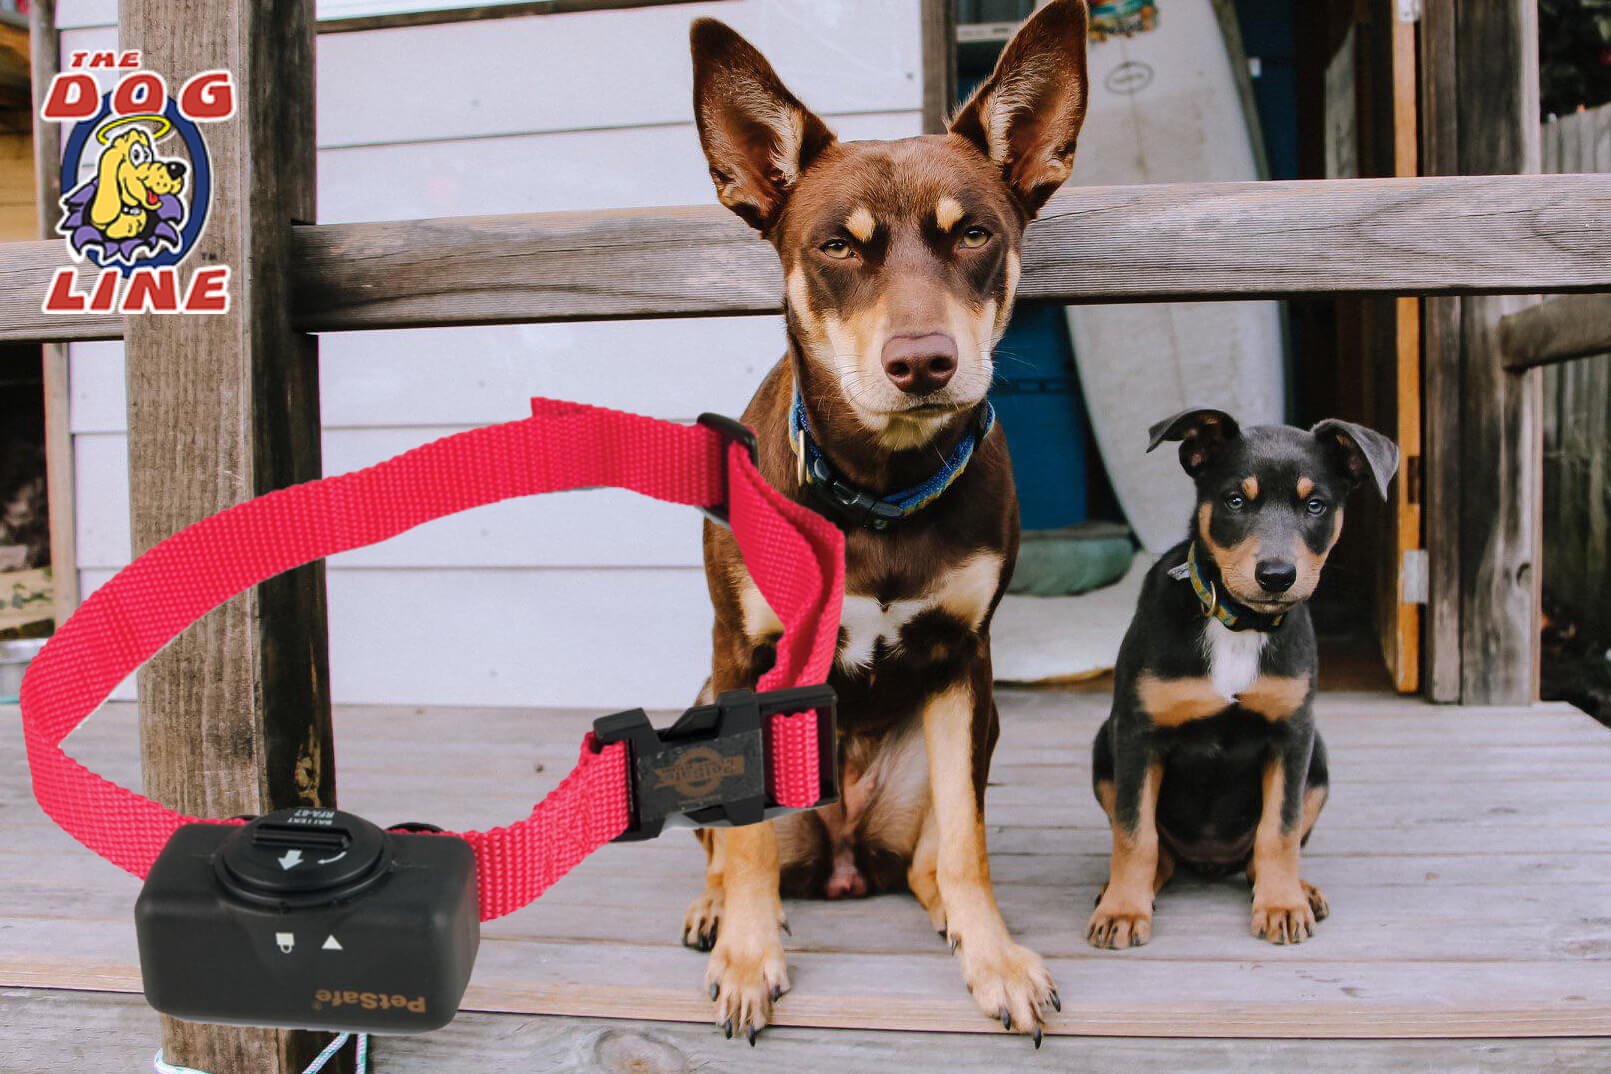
697,772
138,187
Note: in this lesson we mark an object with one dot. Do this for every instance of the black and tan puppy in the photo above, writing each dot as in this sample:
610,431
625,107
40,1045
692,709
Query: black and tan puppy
1210,757
900,261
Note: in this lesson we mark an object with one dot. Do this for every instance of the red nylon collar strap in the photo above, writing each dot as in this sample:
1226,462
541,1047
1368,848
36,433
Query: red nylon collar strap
795,557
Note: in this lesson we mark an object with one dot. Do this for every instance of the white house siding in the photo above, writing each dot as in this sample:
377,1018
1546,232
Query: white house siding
589,599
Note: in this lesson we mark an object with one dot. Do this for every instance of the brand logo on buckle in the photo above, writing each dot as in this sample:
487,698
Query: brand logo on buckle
698,772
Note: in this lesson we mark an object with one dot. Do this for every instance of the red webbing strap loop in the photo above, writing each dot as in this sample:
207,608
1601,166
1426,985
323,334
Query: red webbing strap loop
795,557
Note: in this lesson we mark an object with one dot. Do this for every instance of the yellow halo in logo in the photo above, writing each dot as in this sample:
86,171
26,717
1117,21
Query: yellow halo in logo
164,128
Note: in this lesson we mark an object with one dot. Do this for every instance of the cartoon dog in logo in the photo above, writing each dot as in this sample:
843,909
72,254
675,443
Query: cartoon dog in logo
133,203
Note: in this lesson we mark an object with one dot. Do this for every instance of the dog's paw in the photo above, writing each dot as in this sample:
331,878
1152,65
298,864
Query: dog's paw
703,918
744,980
1010,984
1285,915
1317,901
1119,923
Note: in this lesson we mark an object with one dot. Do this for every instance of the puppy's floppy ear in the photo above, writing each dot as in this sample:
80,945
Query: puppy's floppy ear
1201,433
1361,452
1027,115
757,136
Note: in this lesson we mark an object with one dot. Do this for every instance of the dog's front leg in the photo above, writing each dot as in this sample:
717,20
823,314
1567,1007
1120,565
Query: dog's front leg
1285,908
1008,981
747,971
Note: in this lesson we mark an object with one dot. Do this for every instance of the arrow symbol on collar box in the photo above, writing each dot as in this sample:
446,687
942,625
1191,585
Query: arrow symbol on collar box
332,944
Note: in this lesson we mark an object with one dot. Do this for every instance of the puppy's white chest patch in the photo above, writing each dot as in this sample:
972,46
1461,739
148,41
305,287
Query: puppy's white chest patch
1233,657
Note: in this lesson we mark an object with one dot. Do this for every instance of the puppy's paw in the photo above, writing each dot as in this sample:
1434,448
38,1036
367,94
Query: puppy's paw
1010,984
704,917
1120,922
744,979
1284,915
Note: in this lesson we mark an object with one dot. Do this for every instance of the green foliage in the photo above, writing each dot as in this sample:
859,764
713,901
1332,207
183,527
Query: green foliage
1574,54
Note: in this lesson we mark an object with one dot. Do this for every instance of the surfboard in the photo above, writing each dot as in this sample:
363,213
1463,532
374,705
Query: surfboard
1166,107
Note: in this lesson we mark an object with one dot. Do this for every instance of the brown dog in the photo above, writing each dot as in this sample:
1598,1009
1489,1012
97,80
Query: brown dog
901,259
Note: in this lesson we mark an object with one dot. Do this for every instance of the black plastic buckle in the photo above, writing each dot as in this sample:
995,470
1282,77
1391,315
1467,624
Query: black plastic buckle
857,506
711,768
731,432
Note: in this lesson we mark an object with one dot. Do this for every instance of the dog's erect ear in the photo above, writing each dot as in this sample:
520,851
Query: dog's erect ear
1201,433
1027,115
1361,452
757,136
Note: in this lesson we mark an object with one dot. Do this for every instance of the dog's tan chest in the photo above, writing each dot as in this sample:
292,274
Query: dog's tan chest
1173,702
871,625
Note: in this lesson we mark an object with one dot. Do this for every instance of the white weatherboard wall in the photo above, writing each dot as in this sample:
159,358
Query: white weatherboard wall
591,599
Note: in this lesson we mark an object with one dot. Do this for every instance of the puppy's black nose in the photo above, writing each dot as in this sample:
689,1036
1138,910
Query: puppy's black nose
1275,576
918,365
176,169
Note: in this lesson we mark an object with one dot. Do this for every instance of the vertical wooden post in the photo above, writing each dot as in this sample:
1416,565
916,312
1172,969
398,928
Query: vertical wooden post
939,43
1501,441
1440,329
45,59
234,716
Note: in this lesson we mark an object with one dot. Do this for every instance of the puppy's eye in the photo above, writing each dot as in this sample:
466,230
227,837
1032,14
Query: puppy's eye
838,249
975,237
1236,501
1315,506
138,154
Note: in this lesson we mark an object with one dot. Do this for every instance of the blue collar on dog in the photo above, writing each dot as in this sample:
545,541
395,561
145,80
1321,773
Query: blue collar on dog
860,507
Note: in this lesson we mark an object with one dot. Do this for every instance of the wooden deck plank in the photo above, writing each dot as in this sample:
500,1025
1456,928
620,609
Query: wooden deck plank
114,1032
1464,851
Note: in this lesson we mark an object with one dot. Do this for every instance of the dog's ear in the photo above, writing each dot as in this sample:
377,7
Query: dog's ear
1360,452
757,136
1027,114
1201,433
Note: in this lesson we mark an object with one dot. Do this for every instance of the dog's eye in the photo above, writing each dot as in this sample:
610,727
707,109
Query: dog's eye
1236,501
1315,506
838,249
138,154
975,237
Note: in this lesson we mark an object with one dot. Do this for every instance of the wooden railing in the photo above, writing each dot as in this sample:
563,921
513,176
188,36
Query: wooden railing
1502,234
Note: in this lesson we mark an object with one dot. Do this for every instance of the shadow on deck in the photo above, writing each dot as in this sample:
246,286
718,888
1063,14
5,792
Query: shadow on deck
1465,853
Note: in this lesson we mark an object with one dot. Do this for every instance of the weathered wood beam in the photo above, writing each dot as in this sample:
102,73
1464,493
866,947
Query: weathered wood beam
1440,379
1103,244
939,44
1502,450
234,715
1559,330
45,59
1497,234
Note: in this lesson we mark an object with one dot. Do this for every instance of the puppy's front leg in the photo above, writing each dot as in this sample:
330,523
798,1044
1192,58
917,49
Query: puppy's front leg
1123,916
747,971
1284,907
1008,981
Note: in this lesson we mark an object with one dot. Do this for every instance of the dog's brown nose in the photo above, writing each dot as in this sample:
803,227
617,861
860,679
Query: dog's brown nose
918,365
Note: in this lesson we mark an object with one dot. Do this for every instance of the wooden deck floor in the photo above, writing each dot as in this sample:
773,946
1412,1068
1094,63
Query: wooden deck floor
1466,854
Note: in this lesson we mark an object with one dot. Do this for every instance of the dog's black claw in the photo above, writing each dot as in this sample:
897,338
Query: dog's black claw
1057,1002
954,942
727,1028
777,990
784,925
715,990
1006,1019
1037,1038
751,1035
